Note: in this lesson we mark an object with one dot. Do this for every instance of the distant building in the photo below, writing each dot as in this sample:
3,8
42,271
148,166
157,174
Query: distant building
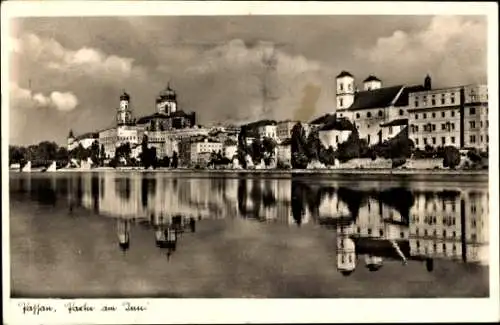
284,129
85,140
267,131
284,152
334,131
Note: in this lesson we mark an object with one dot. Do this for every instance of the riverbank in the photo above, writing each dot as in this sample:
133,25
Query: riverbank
336,171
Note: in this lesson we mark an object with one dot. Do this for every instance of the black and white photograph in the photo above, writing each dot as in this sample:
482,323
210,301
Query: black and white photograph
164,151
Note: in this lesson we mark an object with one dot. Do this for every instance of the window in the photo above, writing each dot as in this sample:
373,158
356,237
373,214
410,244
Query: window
380,113
357,115
442,101
452,139
349,86
381,232
453,126
472,139
418,243
341,102
443,140
442,114
369,114
425,141
452,100
369,231
472,111
443,126
454,234
416,103
425,115
452,113
402,234
425,232
416,116
472,124
337,139
341,86
481,124
433,115
444,233
416,141
390,129
481,139
433,140
433,127
401,112
433,101
416,128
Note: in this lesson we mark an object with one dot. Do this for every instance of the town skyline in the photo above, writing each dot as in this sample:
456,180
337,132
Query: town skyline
60,82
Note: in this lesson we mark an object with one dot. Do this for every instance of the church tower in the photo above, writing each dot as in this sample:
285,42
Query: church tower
124,114
372,83
345,90
166,102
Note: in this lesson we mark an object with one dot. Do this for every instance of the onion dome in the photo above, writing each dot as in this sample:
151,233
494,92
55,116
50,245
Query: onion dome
371,78
345,74
125,96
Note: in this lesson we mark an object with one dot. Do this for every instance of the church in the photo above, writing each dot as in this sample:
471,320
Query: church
160,127
379,113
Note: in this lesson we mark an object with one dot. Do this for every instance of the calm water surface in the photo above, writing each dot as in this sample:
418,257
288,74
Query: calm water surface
113,234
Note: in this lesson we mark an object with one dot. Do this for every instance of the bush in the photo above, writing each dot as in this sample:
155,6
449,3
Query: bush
397,162
451,157
474,156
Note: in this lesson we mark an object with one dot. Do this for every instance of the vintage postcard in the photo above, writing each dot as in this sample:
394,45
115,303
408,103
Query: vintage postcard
233,162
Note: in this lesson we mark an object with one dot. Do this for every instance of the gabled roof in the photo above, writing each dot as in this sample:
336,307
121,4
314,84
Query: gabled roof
371,78
344,74
147,118
322,119
376,98
403,98
339,124
401,121
88,135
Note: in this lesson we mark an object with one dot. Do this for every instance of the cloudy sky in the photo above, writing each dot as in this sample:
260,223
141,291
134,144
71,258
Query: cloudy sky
67,73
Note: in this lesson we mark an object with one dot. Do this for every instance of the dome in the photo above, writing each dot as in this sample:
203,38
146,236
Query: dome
168,93
124,96
345,74
371,78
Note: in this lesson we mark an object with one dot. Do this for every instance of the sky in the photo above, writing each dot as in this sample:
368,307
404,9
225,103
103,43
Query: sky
68,73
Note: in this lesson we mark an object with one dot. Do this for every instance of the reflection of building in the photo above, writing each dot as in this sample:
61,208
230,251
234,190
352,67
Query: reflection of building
346,251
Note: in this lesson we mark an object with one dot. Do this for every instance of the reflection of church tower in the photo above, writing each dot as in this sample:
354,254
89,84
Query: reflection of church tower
346,253
166,102
123,234
124,114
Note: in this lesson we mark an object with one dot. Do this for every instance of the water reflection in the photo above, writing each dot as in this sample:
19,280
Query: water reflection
372,225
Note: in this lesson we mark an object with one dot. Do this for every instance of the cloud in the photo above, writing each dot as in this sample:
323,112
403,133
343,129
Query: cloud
451,48
24,98
84,61
243,83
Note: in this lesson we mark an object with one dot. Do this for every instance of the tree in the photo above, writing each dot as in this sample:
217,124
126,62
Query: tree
300,158
175,160
94,152
313,145
349,149
474,156
242,150
256,151
102,154
451,157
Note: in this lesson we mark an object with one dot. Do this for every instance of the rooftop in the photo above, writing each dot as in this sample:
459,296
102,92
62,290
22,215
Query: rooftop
344,74
401,121
371,78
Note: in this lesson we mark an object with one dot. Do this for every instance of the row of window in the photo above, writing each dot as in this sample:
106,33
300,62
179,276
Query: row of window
433,101
380,113
473,139
433,114
472,124
433,141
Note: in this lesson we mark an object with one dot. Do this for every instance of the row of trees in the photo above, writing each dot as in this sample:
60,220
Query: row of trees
259,150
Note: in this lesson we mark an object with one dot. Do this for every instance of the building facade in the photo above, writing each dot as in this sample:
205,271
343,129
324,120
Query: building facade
455,116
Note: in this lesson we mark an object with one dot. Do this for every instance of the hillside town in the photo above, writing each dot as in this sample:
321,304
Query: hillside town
373,126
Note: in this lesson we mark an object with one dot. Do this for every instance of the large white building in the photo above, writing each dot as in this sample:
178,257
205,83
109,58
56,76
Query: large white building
373,108
454,116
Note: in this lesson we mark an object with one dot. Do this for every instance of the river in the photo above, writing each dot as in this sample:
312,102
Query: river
202,235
